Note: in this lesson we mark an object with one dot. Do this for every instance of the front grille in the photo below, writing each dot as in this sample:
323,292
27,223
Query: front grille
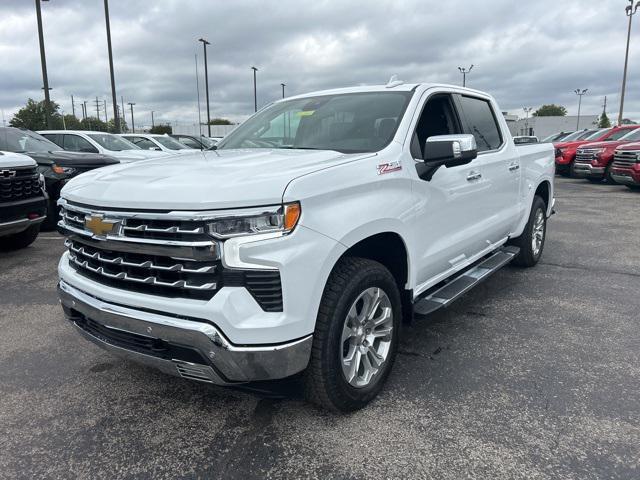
625,158
585,156
19,184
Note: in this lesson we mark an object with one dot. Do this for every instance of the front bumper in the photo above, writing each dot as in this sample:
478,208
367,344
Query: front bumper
14,216
626,176
189,348
586,170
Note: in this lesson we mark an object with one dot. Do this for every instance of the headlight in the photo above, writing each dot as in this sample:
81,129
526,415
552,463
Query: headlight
62,170
41,181
279,218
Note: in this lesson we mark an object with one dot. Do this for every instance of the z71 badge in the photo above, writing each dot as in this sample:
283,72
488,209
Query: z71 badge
389,167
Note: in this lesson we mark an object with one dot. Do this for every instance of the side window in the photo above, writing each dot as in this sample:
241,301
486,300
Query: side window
438,117
143,143
74,143
189,142
481,123
55,138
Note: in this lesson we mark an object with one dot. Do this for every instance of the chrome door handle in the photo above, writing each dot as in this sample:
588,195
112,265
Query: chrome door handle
513,167
474,176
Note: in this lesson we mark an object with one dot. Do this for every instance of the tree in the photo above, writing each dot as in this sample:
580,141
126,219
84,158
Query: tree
550,110
161,129
32,116
220,121
604,121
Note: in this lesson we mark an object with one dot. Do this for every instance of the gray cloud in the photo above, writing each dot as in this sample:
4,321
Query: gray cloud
525,53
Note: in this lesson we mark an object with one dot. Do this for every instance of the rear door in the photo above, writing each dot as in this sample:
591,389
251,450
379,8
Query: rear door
500,165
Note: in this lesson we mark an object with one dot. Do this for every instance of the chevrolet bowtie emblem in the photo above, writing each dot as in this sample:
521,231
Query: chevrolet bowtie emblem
97,225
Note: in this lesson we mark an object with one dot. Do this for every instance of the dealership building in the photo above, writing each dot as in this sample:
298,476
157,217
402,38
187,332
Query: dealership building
544,126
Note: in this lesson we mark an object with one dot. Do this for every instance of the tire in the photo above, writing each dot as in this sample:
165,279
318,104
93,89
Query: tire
528,255
572,170
353,283
594,180
607,176
52,216
20,240
635,188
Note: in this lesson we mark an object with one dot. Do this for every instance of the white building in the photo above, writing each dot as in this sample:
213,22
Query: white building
544,126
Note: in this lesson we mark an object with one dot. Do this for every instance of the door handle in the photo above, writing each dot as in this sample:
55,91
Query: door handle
513,167
474,176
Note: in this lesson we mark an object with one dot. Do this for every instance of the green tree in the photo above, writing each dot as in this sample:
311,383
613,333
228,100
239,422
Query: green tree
32,116
604,121
550,110
161,129
220,121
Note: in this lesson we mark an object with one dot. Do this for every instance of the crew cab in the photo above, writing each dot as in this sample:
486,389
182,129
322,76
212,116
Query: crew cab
23,202
303,242
567,148
161,143
625,168
99,142
594,160
56,165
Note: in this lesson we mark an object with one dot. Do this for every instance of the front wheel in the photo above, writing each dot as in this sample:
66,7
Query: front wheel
531,242
356,336
20,240
635,188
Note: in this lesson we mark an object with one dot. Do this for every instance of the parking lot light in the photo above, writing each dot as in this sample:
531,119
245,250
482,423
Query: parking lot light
206,81
133,125
43,61
255,94
630,11
464,72
580,93
283,85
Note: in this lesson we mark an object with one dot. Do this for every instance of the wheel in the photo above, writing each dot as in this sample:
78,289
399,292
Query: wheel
531,242
635,188
20,240
52,216
572,170
356,336
607,176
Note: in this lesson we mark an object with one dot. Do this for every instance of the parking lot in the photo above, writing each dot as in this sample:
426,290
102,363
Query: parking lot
535,374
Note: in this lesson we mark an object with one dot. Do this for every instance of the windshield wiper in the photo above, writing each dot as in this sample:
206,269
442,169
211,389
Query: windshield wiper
291,147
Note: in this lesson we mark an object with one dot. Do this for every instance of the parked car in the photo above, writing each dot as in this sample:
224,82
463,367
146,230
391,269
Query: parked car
566,149
304,249
195,142
23,201
99,142
525,139
593,160
56,165
625,168
556,137
163,143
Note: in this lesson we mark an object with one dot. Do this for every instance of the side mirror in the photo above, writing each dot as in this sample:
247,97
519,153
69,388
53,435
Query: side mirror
447,150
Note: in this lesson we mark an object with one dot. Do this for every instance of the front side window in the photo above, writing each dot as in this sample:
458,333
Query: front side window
437,118
75,143
618,134
16,140
481,123
189,143
348,123
170,143
112,142
143,143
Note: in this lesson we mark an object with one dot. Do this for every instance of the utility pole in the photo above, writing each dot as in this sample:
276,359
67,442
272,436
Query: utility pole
527,110
152,124
198,92
105,111
255,94
206,83
116,119
43,61
630,11
133,125
73,107
86,113
97,108
283,85
464,72
580,93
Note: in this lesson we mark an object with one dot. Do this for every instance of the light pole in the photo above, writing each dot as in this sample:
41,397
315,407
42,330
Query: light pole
464,72
255,94
133,125
527,110
152,123
43,61
580,93
283,85
116,118
206,83
630,10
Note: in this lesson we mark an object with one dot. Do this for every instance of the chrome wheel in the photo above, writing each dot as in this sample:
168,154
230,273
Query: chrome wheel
366,337
537,234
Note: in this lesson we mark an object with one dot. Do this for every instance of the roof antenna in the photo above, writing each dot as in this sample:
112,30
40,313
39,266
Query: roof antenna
393,82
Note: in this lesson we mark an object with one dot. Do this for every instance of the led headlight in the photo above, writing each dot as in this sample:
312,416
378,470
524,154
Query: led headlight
62,170
41,181
273,219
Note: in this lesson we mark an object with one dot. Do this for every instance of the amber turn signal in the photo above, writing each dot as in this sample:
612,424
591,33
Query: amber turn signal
292,213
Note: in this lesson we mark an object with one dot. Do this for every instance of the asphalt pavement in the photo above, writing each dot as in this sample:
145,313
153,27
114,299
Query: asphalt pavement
534,374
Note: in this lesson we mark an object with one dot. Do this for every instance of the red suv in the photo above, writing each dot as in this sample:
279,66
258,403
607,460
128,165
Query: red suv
566,149
625,168
593,160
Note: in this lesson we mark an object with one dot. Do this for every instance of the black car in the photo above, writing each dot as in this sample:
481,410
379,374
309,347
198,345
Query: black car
57,165
192,141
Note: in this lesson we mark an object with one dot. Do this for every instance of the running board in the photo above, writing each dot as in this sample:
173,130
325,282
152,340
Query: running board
457,286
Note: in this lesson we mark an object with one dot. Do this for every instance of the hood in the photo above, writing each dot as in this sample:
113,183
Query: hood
127,156
202,181
630,146
610,144
10,159
73,159
574,144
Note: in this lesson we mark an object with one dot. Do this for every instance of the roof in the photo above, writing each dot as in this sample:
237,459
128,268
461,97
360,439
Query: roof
74,131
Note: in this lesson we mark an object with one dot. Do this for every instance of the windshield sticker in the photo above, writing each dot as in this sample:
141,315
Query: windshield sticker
389,167
305,113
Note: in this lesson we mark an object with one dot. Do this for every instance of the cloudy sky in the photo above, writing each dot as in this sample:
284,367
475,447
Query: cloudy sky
525,53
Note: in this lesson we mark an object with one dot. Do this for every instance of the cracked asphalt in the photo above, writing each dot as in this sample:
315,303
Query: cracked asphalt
534,374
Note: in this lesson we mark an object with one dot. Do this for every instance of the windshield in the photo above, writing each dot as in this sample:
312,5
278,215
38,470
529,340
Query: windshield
556,137
631,136
591,134
16,140
618,134
112,142
348,123
170,143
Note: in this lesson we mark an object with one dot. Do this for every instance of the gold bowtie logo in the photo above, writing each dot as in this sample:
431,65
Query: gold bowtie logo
97,225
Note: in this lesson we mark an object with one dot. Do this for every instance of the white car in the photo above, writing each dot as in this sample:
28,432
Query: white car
304,241
99,142
163,143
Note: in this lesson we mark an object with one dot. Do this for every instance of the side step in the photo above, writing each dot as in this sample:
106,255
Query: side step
444,295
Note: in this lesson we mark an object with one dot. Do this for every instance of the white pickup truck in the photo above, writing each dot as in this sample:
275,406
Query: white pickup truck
304,241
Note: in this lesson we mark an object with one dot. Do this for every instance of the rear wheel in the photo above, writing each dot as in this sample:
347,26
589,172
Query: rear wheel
356,336
607,176
20,240
531,242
